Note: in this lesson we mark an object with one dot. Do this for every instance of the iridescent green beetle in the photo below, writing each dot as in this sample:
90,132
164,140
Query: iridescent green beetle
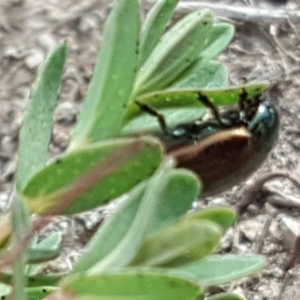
227,147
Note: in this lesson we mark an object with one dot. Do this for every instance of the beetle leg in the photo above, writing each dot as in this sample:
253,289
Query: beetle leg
161,119
243,99
214,110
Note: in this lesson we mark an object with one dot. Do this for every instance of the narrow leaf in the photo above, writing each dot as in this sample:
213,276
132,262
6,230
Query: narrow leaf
154,26
21,228
204,75
182,190
218,40
179,244
217,269
47,249
113,78
111,233
178,49
223,216
140,286
36,130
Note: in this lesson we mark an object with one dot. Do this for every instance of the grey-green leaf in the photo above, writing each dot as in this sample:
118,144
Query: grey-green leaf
154,26
49,248
204,75
182,190
114,74
223,216
138,286
179,244
218,40
36,130
218,269
111,233
177,50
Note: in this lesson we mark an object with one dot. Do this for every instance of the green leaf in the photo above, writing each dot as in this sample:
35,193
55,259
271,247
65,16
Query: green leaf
35,133
114,74
181,106
21,227
39,292
111,233
127,248
179,244
177,50
220,269
47,249
154,26
182,190
223,216
43,280
218,40
190,98
43,189
32,293
139,286
225,296
204,75
36,293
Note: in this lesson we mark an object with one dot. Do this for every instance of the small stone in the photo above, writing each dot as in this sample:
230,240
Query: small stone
217,201
60,139
15,52
66,112
253,227
47,41
34,59
89,22
290,228
278,195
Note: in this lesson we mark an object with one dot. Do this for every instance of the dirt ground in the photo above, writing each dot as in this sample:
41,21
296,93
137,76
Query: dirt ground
266,47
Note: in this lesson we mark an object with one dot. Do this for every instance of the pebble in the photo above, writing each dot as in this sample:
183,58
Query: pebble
15,52
66,112
47,41
253,227
34,59
290,228
89,22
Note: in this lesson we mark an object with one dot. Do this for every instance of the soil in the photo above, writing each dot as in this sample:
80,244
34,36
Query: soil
266,47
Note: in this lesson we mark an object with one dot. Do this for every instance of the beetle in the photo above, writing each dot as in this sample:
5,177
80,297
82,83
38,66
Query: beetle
225,148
